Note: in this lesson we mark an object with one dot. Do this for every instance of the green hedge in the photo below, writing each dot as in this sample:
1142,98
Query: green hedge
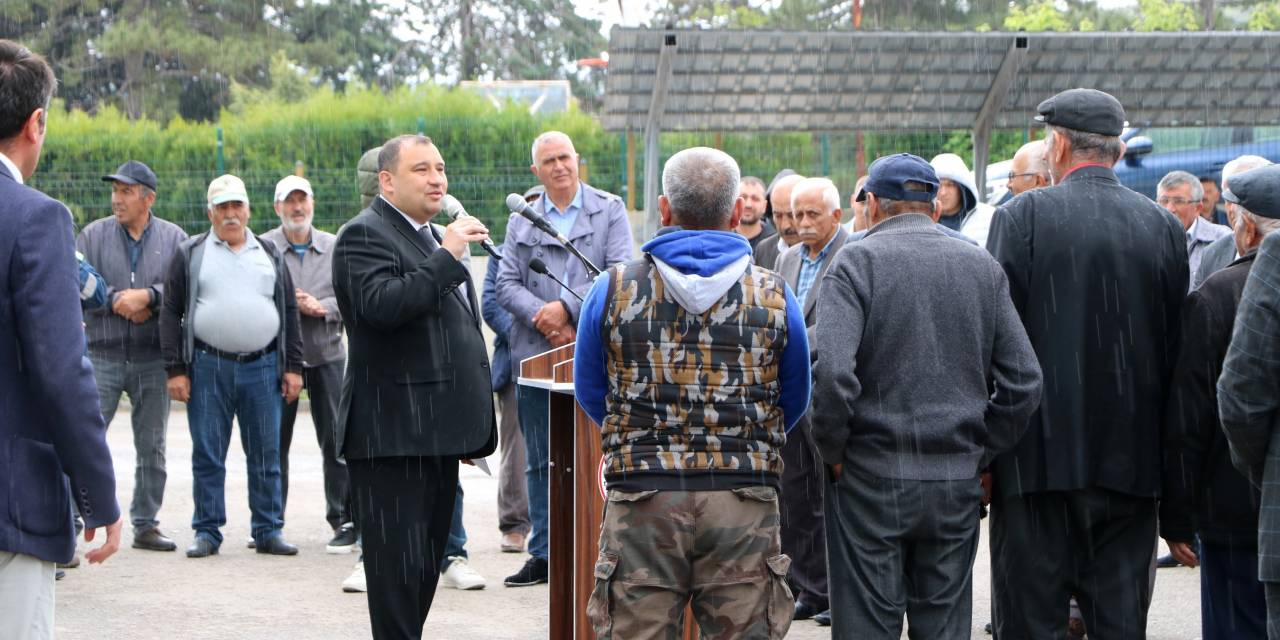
486,149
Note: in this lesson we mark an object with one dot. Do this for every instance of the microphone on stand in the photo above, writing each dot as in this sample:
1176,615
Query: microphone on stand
540,267
453,209
516,203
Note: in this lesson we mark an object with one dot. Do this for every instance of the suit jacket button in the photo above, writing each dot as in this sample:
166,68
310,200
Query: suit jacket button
84,491
539,253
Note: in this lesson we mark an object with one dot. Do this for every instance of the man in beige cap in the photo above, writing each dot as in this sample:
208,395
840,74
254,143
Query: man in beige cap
308,255
231,346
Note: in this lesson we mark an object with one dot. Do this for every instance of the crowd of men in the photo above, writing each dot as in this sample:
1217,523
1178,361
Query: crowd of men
802,416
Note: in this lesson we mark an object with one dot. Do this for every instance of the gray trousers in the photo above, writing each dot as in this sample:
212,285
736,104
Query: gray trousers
513,491
324,390
145,383
26,597
800,508
1093,543
901,546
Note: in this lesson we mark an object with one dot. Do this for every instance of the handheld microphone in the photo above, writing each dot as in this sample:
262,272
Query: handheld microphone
453,209
516,203
540,267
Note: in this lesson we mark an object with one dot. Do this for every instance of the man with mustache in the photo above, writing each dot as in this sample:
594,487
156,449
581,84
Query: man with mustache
230,340
770,249
308,255
132,249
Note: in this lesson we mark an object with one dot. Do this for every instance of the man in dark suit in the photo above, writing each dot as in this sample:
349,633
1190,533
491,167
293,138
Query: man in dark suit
416,397
1249,389
814,210
51,428
1097,273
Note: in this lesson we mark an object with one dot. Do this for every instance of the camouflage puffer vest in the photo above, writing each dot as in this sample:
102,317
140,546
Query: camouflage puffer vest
692,402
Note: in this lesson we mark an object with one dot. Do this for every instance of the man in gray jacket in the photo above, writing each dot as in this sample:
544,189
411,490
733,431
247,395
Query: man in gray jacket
925,374
543,315
131,250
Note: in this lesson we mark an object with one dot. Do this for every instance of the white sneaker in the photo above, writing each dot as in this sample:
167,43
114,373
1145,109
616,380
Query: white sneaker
460,575
355,582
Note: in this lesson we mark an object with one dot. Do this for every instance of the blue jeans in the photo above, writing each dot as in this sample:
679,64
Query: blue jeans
250,391
535,408
457,545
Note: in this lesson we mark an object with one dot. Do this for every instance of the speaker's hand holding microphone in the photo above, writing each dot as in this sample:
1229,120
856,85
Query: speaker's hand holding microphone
463,230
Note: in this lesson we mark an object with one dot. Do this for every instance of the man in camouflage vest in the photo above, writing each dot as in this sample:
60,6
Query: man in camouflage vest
695,363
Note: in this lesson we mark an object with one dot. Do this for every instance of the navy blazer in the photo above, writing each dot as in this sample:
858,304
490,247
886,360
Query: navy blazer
51,425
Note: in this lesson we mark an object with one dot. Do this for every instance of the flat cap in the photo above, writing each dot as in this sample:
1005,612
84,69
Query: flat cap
1257,190
1087,110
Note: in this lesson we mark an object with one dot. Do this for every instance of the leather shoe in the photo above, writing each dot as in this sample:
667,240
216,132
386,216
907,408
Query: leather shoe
823,619
201,548
276,546
153,540
1167,561
804,611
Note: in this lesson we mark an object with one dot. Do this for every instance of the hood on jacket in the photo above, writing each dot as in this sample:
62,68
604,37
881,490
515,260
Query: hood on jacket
950,166
698,267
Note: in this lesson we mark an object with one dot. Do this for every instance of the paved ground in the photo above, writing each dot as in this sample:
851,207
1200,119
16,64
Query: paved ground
239,594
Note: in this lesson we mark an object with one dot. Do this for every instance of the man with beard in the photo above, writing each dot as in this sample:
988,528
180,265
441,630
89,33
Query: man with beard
753,226
308,254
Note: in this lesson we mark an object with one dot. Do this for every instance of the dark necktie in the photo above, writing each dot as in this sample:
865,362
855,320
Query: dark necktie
428,237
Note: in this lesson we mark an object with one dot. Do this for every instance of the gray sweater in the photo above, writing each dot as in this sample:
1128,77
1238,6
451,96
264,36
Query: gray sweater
925,371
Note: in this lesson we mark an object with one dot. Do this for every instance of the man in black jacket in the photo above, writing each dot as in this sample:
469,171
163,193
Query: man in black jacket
416,397
231,347
1098,274
1204,495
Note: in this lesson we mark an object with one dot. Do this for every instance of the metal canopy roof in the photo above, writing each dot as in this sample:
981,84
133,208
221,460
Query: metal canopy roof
840,81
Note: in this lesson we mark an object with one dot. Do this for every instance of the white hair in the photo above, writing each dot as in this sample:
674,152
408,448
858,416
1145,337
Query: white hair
1241,165
546,137
1177,178
830,195
1264,224
701,184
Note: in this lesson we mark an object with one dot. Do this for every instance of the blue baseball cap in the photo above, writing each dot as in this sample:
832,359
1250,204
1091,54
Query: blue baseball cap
888,176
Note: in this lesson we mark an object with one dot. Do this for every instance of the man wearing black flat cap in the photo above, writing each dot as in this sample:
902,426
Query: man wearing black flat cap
1098,274
132,249
1249,389
1205,498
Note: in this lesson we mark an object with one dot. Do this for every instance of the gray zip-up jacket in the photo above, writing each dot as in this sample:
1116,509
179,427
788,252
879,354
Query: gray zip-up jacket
104,246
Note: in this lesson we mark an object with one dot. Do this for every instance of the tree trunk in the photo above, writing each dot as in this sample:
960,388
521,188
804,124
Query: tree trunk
467,67
133,84
1207,9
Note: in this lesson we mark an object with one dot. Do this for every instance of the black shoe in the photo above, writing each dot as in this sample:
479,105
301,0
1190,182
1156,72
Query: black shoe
344,539
1167,562
201,548
533,572
823,619
804,611
153,540
276,546
59,574
989,629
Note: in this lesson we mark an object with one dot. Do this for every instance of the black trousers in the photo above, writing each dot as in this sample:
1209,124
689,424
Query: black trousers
1093,543
800,508
404,507
901,547
324,387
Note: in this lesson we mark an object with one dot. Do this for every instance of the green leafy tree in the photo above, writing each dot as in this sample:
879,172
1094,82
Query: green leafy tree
1165,15
1265,17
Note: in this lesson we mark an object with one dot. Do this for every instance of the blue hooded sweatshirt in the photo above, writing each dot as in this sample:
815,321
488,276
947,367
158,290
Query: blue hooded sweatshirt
697,268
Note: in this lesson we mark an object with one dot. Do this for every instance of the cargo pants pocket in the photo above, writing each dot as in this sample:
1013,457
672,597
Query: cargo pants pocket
781,606
600,604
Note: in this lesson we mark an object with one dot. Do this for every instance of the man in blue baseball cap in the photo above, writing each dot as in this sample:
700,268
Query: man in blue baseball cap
905,419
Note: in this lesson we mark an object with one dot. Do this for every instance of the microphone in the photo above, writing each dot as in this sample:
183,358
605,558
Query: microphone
516,203
453,209
540,267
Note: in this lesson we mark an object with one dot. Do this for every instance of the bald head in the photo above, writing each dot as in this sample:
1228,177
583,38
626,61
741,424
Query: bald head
1029,170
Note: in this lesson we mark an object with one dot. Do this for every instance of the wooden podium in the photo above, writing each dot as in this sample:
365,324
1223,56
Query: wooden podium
577,499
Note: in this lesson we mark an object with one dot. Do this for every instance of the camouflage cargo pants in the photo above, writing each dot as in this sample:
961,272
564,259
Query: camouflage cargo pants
660,550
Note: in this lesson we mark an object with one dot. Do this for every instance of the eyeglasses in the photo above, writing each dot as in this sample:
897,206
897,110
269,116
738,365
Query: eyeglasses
1177,202
1022,175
